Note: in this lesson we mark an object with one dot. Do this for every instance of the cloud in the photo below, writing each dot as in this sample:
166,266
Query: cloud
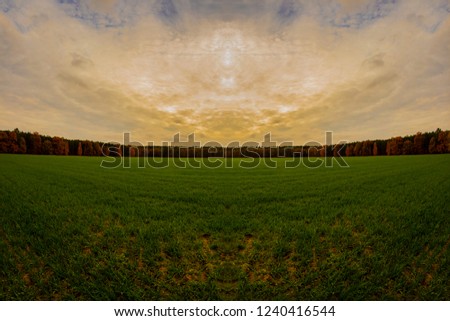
226,70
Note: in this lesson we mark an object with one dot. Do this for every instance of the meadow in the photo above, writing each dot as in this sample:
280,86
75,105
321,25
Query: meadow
71,230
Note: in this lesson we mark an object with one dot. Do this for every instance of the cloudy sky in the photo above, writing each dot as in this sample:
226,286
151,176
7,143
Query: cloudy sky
225,69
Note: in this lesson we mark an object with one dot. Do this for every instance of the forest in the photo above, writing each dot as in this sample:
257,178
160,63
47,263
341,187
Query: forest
18,142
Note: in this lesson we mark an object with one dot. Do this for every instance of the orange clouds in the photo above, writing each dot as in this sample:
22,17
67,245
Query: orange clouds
105,67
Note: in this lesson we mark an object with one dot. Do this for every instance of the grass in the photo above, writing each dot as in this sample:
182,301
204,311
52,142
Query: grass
70,230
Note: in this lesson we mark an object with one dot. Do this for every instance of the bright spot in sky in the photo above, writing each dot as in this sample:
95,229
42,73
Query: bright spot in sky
227,58
227,82
170,109
286,109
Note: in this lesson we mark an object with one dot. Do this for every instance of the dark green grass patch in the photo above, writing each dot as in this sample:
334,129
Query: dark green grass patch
70,230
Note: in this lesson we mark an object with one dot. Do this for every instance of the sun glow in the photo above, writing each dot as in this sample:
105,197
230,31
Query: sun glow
227,82
228,58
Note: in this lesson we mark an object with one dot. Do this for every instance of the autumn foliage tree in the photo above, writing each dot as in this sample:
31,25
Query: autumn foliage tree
79,149
366,149
408,147
59,146
3,142
36,143
336,150
105,150
47,147
448,142
97,149
419,143
442,142
349,150
22,145
357,149
88,148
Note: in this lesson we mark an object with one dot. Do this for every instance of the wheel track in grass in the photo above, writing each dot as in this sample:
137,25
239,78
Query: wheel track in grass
429,275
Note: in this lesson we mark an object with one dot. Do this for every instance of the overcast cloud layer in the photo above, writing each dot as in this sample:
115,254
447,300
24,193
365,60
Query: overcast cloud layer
226,70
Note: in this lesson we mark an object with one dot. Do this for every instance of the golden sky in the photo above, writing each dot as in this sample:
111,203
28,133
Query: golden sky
225,70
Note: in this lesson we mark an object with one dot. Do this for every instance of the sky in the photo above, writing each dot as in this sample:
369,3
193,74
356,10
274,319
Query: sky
226,70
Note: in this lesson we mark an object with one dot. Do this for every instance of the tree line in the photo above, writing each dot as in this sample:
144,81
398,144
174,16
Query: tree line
18,142
437,142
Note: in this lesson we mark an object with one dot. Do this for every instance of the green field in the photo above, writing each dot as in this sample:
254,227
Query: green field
378,230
